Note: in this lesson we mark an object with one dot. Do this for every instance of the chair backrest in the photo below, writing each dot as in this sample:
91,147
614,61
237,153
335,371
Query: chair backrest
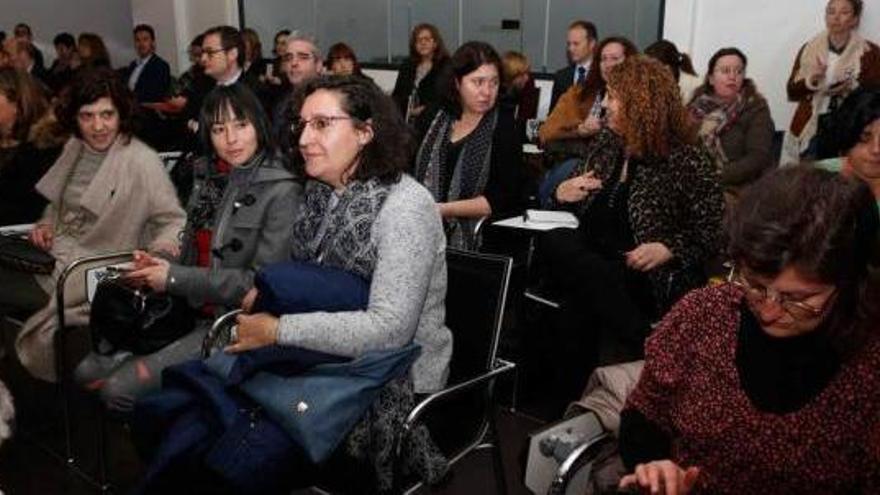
475,301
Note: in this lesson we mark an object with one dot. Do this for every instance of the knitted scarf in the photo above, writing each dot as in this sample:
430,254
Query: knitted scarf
715,117
471,170
848,66
339,235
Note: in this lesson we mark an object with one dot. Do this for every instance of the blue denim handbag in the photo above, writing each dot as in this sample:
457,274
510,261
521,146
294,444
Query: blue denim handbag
320,407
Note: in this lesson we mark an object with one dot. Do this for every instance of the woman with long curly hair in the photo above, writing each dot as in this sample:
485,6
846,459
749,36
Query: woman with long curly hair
649,204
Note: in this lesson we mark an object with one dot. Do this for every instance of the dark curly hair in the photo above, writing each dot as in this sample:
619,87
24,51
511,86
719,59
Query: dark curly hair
652,117
387,155
825,225
90,85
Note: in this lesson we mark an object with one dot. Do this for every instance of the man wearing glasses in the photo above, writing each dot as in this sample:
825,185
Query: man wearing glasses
301,61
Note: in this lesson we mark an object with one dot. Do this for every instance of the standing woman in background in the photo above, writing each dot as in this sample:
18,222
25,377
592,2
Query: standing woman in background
418,81
827,69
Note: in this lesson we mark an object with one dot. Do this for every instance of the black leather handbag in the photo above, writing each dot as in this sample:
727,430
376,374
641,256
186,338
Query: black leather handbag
20,255
136,320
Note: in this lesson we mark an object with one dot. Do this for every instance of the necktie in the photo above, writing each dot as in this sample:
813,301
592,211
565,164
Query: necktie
582,72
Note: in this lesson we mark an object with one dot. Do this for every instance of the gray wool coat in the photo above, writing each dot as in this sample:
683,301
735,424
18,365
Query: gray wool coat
252,228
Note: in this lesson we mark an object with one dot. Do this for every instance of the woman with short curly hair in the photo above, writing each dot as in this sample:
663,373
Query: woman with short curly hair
649,205
106,192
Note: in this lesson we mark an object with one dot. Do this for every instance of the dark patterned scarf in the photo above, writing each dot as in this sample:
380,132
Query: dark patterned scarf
471,170
339,235
715,116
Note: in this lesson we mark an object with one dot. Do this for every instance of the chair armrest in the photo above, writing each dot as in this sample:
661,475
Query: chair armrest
217,327
500,367
582,454
98,260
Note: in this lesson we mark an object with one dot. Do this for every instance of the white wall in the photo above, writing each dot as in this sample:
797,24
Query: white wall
769,32
111,19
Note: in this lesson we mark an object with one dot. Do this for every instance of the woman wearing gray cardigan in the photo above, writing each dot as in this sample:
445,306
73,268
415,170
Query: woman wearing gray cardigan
239,218
362,214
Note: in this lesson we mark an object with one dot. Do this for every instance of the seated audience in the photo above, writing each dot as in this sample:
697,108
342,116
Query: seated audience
107,192
470,157
768,383
520,91
419,80
92,52
857,139
226,239
734,121
649,206
827,68
148,76
578,113
680,64
30,141
342,61
580,46
354,145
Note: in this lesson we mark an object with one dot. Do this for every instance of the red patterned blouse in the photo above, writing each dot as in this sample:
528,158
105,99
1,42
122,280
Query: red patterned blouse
691,389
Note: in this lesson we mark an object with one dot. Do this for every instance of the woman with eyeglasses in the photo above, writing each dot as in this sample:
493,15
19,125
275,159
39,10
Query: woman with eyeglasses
419,83
470,157
768,384
238,219
363,214
828,68
734,121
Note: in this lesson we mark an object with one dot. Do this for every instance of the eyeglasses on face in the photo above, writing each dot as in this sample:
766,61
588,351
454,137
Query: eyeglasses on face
300,56
210,52
757,294
318,123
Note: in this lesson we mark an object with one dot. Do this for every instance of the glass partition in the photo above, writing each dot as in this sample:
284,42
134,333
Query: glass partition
378,30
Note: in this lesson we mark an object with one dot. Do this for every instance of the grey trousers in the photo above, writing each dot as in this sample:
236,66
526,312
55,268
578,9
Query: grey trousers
121,378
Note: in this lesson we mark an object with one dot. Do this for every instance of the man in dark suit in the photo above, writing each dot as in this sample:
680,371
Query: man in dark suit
148,76
580,43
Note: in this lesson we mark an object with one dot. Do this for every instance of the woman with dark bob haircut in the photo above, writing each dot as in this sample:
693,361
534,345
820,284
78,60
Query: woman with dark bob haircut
470,157
238,219
107,192
362,214
740,377
856,139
